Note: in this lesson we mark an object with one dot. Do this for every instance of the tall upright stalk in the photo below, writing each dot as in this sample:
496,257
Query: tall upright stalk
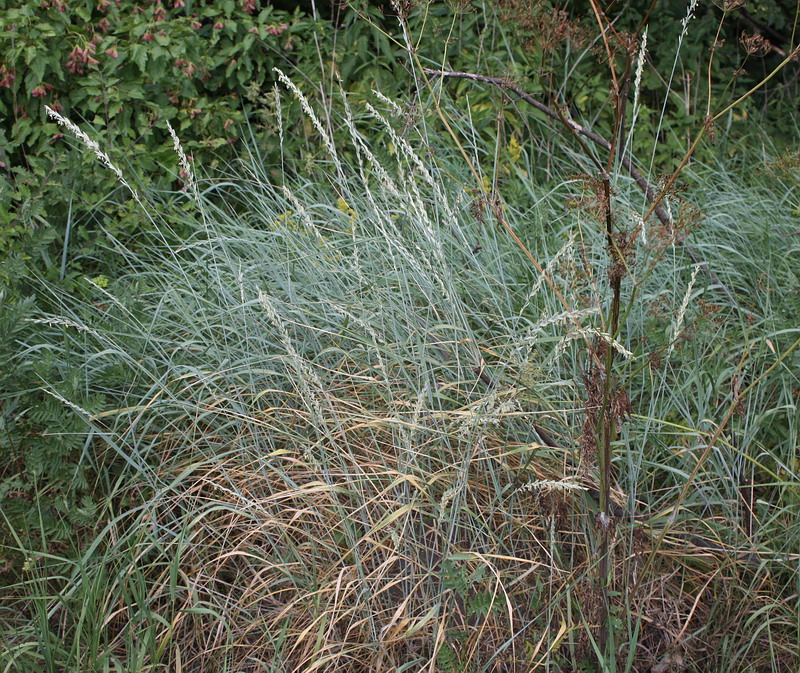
606,427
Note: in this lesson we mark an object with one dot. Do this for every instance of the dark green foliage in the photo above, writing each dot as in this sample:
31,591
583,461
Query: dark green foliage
681,48
130,66
121,71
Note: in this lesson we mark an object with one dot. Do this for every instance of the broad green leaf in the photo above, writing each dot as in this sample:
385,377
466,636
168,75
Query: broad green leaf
139,56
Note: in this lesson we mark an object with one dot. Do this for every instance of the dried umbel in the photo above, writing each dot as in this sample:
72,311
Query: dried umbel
730,5
549,27
755,44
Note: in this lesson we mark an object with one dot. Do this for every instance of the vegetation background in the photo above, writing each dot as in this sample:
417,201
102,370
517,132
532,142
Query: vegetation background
345,338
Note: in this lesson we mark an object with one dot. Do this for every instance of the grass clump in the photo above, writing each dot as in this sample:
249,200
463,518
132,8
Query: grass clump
342,426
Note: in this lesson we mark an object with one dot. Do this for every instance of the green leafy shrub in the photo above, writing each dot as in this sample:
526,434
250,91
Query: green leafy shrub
128,65
125,69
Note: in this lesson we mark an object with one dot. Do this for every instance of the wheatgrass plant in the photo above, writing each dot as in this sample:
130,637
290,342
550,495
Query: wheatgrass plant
339,428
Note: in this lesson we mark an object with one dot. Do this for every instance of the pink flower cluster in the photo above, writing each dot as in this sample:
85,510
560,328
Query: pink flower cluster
80,58
57,4
249,6
42,90
105,5
277,30
159,13
7,76
187,67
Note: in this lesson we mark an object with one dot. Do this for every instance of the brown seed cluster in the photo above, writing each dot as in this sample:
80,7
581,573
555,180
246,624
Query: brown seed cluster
544,26
755,44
